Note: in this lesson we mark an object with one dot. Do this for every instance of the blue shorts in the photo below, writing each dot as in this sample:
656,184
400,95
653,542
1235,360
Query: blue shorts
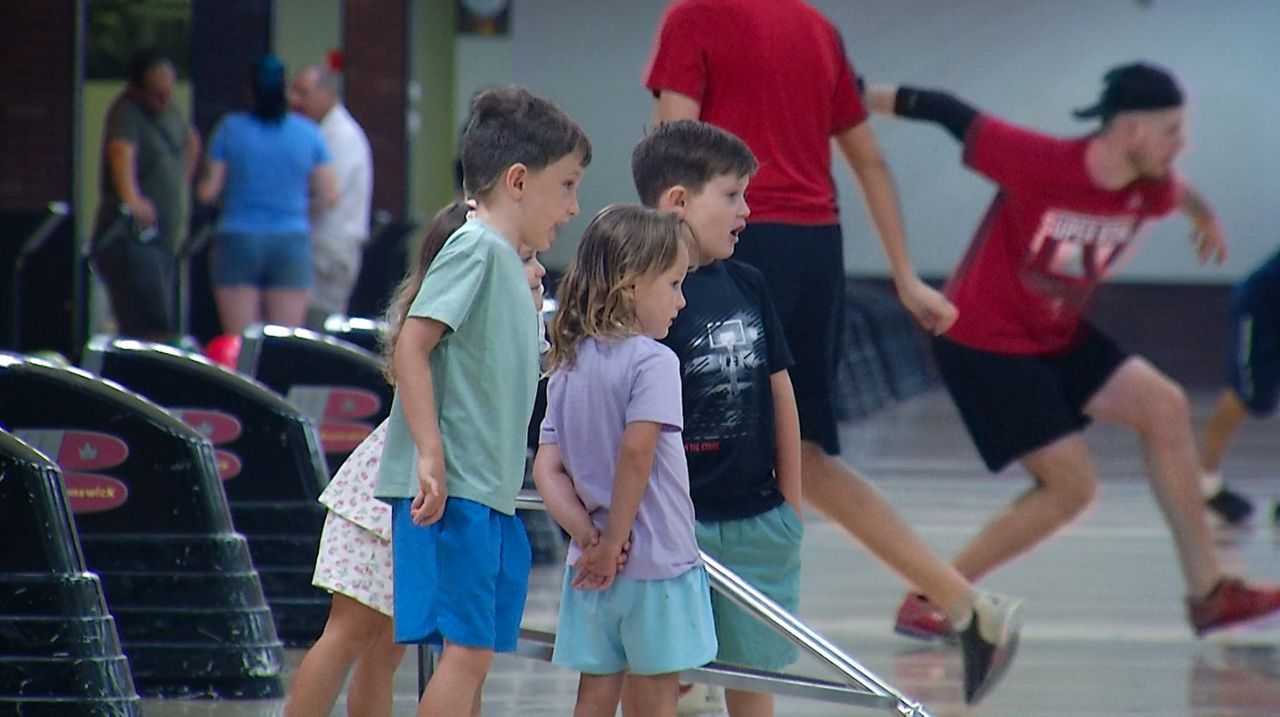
267,261
645,627
462,579
1253,361
764,550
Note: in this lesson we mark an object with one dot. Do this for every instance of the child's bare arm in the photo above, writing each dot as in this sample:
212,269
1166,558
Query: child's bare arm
786,439
631,480
411,358
556,488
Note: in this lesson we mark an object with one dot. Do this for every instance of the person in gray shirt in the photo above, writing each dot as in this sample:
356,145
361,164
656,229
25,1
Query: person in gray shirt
149,154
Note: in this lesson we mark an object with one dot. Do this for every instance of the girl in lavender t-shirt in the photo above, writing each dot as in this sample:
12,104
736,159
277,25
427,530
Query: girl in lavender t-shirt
612,470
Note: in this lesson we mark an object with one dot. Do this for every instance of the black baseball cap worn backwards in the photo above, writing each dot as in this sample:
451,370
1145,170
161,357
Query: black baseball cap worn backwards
1133,87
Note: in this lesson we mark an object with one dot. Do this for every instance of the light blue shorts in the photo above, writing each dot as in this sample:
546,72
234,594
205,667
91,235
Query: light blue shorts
463,579
267,261
765,551
645,627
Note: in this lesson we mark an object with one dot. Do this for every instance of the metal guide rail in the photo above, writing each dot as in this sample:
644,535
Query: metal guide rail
859,688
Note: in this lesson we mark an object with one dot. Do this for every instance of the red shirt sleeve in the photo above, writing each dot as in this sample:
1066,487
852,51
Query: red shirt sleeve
678,62
1012,156
1166,196
847,109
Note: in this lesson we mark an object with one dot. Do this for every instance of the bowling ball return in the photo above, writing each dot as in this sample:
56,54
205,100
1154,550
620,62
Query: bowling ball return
269,460
59,650
154,525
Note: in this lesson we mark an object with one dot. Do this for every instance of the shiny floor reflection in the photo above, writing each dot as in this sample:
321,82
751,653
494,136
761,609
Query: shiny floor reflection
1105,629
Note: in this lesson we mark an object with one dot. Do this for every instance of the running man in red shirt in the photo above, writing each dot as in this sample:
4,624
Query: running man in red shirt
1026,370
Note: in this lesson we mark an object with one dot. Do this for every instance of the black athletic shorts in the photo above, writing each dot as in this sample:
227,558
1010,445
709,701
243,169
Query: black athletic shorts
804,269
1014,404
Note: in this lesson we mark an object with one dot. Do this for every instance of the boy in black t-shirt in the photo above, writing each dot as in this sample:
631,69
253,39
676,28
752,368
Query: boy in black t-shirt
742,432
741,428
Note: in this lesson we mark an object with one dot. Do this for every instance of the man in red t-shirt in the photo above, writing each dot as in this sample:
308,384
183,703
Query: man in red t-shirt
774,72
1026,370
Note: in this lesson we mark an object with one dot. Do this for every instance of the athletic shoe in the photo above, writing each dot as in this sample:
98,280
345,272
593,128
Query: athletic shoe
920,619
1232,507
700,699
989,643
1231,602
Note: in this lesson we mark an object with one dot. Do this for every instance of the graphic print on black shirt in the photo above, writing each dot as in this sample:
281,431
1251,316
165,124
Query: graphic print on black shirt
729,342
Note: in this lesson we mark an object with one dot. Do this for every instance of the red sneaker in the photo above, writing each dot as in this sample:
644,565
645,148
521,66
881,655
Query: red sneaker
918,618
1231,602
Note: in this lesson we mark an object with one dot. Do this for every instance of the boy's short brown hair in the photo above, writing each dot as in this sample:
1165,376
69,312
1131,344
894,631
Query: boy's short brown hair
514,126
687,153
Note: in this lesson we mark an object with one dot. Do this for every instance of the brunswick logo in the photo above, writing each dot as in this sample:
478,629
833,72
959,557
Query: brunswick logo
342,437
217,427
75,450
334,403
229,464
93,493
77,453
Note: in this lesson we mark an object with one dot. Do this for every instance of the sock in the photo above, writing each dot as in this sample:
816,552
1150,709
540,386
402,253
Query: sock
1210,483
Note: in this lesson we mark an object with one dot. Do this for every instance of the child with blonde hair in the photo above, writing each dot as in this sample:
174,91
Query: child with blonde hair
612,470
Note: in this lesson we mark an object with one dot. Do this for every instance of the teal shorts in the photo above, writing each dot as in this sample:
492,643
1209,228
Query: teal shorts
765,551
645,627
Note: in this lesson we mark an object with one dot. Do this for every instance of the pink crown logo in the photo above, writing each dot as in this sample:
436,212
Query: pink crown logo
88,451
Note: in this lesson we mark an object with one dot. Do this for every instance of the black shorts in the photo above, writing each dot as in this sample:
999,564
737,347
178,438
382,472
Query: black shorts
1013,404
804,268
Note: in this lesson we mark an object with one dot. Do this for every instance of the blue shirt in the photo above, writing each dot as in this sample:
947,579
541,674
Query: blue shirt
268,172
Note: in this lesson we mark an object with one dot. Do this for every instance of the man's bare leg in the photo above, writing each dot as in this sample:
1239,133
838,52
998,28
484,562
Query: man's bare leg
1139,397
1065,485
859,507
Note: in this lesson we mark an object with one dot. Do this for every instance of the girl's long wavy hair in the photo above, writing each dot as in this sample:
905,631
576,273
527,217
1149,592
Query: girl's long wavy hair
443,225
622,245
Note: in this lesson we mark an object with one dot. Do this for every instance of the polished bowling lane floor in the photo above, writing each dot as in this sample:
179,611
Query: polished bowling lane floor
1105,628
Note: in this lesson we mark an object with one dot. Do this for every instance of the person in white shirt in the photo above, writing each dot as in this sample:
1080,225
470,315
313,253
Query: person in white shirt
338,234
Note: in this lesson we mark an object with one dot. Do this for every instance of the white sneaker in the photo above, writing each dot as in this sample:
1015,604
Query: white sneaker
989,642
700,699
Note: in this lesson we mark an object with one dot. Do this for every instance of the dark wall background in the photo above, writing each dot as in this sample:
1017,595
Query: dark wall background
1180,328
39,93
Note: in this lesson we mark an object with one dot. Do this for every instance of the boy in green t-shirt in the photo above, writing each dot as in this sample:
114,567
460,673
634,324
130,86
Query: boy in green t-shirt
466,369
